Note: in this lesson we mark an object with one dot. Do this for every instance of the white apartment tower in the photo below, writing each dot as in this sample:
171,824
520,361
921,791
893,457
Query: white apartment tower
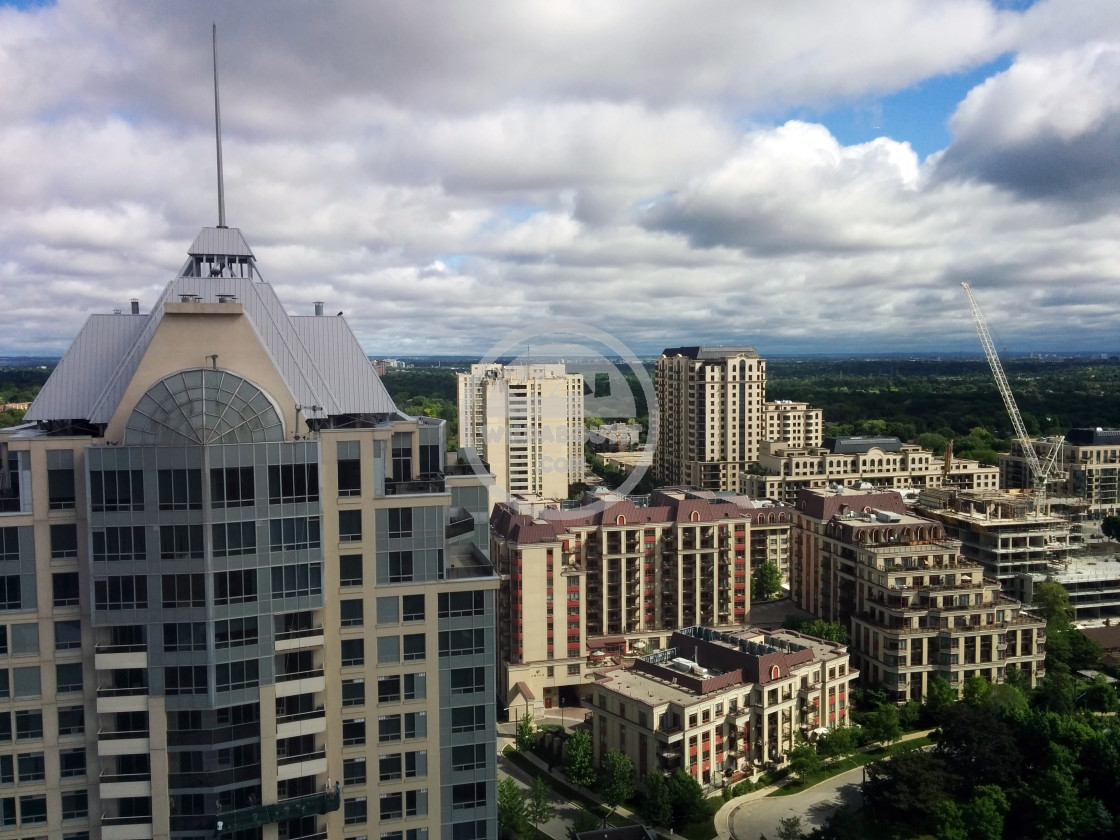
526,423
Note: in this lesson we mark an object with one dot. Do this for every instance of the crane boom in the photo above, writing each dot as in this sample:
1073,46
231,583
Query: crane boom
1038,472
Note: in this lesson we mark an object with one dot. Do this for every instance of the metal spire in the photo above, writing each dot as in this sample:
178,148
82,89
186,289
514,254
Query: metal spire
218,136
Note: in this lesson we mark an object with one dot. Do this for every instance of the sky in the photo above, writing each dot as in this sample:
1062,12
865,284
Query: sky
803,177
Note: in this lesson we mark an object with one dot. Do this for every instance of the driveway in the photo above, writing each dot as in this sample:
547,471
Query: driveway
755,818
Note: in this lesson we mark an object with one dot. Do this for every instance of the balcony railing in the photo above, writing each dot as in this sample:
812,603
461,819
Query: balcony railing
300,632
285,811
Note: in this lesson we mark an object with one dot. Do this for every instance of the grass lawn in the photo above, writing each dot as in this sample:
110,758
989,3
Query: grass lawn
852,761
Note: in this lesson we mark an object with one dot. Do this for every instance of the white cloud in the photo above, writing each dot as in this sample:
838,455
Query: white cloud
444,177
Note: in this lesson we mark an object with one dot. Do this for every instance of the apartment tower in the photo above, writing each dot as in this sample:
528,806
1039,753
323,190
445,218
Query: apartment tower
526,423
242,595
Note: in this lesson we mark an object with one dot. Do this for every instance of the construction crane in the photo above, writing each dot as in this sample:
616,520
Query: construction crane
1042,473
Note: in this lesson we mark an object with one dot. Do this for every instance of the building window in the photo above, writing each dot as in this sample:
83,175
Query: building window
353,732
68,677
75,805
415,803
31,767
185,679
33,809
184,591
400,567
67,635
412,607
388,610
122,592
414,647
350,612
9,545
236,587
468,680
468,718
177,542
232,539
60,479
468,757
297,580
400,523
64,541
353,652
462,642
457,604
388,649
354,771
235,675
388,728
125,543
349,525
231,487
349,470
294,533
10,592
469,795
392,806
416,725
29,724
293,483
184,636
353,692
180,489
71,720
66,591
116,490
72,763
350,570
415,686
390,767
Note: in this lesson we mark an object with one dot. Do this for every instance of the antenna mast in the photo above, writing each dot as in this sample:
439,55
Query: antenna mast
218,136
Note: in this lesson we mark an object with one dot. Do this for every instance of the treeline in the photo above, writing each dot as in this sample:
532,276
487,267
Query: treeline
19,385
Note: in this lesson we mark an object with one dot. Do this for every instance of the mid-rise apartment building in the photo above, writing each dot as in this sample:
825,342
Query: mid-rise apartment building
784,470
616,579
526,423
1090,465
720,705
713,416
914,606
242,594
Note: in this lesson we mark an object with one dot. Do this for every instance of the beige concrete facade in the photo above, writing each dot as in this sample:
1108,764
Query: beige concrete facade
784,470
914,607
714,416
612,581
1089,463
526,423
720,705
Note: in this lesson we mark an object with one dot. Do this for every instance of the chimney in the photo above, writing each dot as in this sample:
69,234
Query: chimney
135,306
319,308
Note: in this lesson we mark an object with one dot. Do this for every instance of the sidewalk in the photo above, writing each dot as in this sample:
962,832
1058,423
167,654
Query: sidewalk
557,828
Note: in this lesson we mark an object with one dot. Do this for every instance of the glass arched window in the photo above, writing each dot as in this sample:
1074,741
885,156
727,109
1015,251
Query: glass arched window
203,406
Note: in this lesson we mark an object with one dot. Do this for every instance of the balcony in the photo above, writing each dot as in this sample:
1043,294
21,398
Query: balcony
300,682
299,639
111,657
126,828
414,488
117,786
290,809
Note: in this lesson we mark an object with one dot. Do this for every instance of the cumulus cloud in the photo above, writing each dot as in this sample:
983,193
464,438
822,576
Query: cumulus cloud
446,174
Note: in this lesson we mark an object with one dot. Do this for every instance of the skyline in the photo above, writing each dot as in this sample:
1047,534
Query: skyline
818,180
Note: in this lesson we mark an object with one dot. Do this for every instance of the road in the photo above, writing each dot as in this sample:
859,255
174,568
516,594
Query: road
756,818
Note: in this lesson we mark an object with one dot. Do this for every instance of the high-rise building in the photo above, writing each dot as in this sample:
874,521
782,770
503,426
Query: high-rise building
1090,470
914,607
242,596
526,423
713,416
619,578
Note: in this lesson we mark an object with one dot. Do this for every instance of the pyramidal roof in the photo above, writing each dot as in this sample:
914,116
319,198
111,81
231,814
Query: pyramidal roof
319,358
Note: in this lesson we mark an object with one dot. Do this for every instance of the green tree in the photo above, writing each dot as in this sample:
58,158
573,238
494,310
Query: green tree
949,821
984,814
843,740
940,697
511,808
804,761
1051,603
526,733
583,821
882,725
1099,696
768,581
657,807
1110,527
975,690
577,760
1058,688
789,828
831,631
616,778
538,804
687,797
